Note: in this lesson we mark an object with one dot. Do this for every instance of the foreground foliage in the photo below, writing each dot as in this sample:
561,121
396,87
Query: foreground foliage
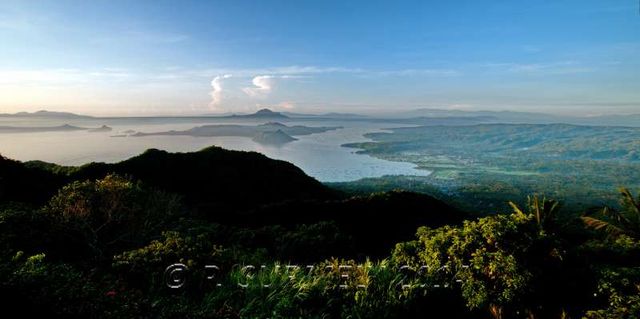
101,247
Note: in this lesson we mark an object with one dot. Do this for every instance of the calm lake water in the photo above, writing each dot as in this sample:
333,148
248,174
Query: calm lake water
319,155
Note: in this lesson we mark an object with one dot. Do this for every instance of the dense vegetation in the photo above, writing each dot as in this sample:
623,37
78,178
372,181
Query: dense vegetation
94,241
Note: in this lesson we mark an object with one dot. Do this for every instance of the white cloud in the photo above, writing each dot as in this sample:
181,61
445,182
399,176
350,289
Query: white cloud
216,90
263,84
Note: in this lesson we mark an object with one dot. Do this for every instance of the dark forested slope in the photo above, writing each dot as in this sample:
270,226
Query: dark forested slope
210,177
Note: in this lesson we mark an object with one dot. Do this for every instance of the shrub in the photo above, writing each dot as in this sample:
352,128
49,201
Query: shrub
113,213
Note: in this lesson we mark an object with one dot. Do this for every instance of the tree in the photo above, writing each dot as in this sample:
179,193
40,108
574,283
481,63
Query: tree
545,211
502,263
625,221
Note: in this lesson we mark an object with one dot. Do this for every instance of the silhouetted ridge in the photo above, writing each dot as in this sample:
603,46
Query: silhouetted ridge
212,177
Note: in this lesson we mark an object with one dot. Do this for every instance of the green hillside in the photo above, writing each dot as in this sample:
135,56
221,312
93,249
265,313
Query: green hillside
581,165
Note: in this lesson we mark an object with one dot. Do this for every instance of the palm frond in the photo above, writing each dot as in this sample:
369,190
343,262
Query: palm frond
630,206
516,209
599,224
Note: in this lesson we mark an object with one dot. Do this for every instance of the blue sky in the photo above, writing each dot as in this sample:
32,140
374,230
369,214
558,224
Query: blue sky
193,57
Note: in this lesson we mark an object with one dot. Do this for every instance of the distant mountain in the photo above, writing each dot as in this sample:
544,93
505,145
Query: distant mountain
414,116
496,115
273,138
327,116
448,120
346,115
296,115
46,114
261,114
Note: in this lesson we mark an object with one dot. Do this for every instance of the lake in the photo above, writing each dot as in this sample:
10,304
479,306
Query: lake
319,155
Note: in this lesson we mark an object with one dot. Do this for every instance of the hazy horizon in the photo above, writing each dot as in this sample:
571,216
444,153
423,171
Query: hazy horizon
372,113
115,58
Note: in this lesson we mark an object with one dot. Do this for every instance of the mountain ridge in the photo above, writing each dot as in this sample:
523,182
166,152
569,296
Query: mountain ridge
46,114
213,177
